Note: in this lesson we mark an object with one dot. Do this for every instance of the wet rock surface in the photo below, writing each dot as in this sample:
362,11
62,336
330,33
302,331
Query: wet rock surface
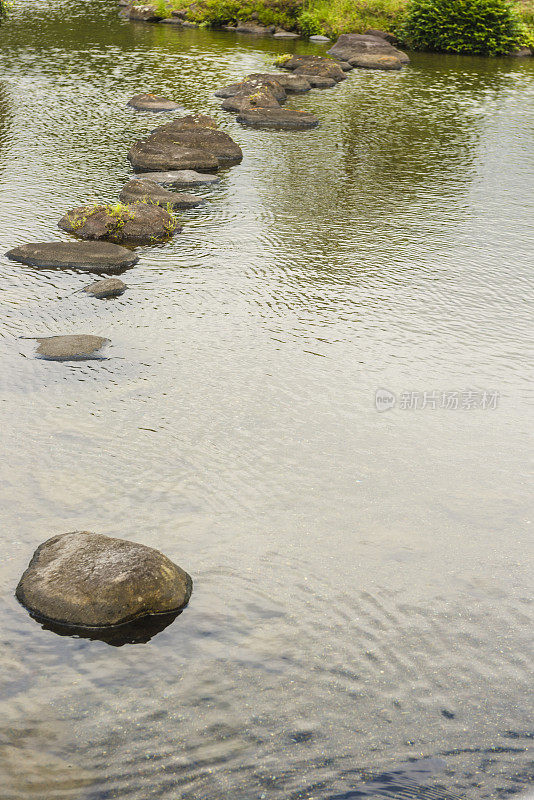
144,13
252,84
278,118
314,65
146,191
109,287
351,45
319,81
76,347
368,61
90,256
180,177
187,143
151,102
380,34
247,99
136,223
92,581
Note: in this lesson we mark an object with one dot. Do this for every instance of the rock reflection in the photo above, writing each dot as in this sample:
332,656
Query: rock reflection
139,631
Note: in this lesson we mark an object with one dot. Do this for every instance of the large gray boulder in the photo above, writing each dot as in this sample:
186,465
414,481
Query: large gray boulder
278,119
135,223
88,580
151,102
192,142
76,347
350,45
145,191
89,256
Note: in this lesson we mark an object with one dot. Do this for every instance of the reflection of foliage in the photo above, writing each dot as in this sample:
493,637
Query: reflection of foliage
483,27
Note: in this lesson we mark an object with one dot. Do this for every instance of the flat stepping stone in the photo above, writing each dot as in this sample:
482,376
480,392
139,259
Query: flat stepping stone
144,191
136,223
78,347
88,580
368,61
278,118
320,81
109,287
87,256
151,102
180,177
319,38
191,142
350,45
286,35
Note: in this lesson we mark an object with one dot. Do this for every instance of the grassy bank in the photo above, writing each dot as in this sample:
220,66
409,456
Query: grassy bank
308,17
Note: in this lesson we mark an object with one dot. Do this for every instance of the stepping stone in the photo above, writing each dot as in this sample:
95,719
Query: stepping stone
179,177
143,191
278,118
151,102
191,142
320,81
350,45
319,38
110,287
89,580
136,223
367,61
78,347
286,35
88,256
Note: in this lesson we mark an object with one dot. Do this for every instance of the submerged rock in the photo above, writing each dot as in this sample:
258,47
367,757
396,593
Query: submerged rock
186,143
90,256
77,347
109,287
146,191
137,223
367,61
278,118
180,177
92,581
151,102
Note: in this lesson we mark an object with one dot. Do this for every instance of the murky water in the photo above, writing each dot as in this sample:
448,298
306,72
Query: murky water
362,580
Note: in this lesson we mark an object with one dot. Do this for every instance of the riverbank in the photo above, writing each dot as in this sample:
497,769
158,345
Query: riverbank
309,17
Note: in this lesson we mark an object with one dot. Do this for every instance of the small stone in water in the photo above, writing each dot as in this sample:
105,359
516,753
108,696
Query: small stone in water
70,348
110,287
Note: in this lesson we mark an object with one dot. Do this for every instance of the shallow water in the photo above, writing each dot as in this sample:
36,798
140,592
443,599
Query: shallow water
362,580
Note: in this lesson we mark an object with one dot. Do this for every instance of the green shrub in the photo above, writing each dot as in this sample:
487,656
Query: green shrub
481,27
309,25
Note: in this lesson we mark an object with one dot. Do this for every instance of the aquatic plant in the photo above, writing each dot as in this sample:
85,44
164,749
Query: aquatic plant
481,27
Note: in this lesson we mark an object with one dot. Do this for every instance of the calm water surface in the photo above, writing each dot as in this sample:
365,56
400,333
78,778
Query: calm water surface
363,580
